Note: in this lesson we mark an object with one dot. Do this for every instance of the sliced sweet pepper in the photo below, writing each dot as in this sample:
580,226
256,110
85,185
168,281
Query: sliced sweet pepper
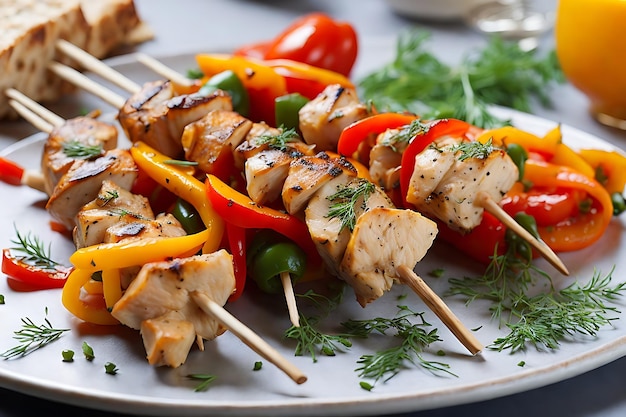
240,210
10,172
183,184
32,275
237,245
609,168
90,309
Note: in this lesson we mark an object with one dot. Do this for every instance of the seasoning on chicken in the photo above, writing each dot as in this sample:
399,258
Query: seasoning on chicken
308,174
450,174
267,169
251,145
82,182
77,138
111,206
385,158
157,116
214,136
323,118
163,291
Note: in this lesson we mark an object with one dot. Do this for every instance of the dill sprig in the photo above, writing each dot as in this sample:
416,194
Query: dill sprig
80,150
206,380
499,74
32,337
406,133
311,340
35,253
541,320
180,162
279,141
385,364
474,149
345,200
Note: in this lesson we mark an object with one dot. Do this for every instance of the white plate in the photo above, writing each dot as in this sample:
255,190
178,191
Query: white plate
333,385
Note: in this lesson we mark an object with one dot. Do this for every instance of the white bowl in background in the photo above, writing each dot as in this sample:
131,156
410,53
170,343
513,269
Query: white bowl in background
435,9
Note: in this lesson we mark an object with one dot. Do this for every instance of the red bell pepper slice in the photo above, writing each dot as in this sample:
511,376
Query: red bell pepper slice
358,132
10,172
435,130
34,276
239,209
237,244
314,39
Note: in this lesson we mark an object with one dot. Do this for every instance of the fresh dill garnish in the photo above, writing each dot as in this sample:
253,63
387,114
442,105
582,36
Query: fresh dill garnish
499,74
279,141
180,162
406,133
35,253
311,340
542,320
32,337
345,200
473,149
206,380
108,197
80,150
385,364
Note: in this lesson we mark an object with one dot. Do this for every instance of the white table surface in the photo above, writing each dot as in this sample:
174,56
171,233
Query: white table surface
213,25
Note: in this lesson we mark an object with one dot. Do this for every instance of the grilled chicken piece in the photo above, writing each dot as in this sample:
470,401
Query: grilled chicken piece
251,144
267,170
328,233
83,181
308,174
163,288
323,118
444,184
167,339
215,135
112,205
132,227
157,116
384,238
385,159
57,156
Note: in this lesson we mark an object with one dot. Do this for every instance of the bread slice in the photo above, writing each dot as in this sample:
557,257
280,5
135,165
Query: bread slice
31,28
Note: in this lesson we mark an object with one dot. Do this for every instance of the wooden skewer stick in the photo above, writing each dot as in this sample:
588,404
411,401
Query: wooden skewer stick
163,70
246,335
96,66
290,297
436,304
484,200
31,117
44,115
87,84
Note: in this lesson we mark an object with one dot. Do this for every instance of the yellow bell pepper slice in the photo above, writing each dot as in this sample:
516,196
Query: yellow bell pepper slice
612,165
507,135
178,181
90,312
133,252
111,286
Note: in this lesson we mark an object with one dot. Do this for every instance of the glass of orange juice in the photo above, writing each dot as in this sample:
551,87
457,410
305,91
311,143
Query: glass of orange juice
591,47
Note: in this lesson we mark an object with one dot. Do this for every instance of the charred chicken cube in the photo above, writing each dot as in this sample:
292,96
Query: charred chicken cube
252,145
83,181
77,138
448,177
132,226
157,116
214,136
323,118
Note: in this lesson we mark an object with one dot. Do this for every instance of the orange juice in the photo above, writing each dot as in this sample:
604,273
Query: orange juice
591,47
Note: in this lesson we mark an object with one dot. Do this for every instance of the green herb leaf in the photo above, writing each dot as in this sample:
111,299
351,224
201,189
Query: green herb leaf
345,200
110,368
206,379
88,352
279,141
32,337
79,150
35,253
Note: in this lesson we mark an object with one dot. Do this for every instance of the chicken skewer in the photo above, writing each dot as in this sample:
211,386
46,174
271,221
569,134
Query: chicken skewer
211,307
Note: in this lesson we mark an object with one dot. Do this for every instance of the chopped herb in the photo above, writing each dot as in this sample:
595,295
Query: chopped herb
474,149
257,366
110,368
68,355
33,337
35,252
521,364
279,141
344,201
195,73
312,340
441,352
108,197
78,150
407,133
180,162
366,386
206,381
88,352
1,299
437,272
501,73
